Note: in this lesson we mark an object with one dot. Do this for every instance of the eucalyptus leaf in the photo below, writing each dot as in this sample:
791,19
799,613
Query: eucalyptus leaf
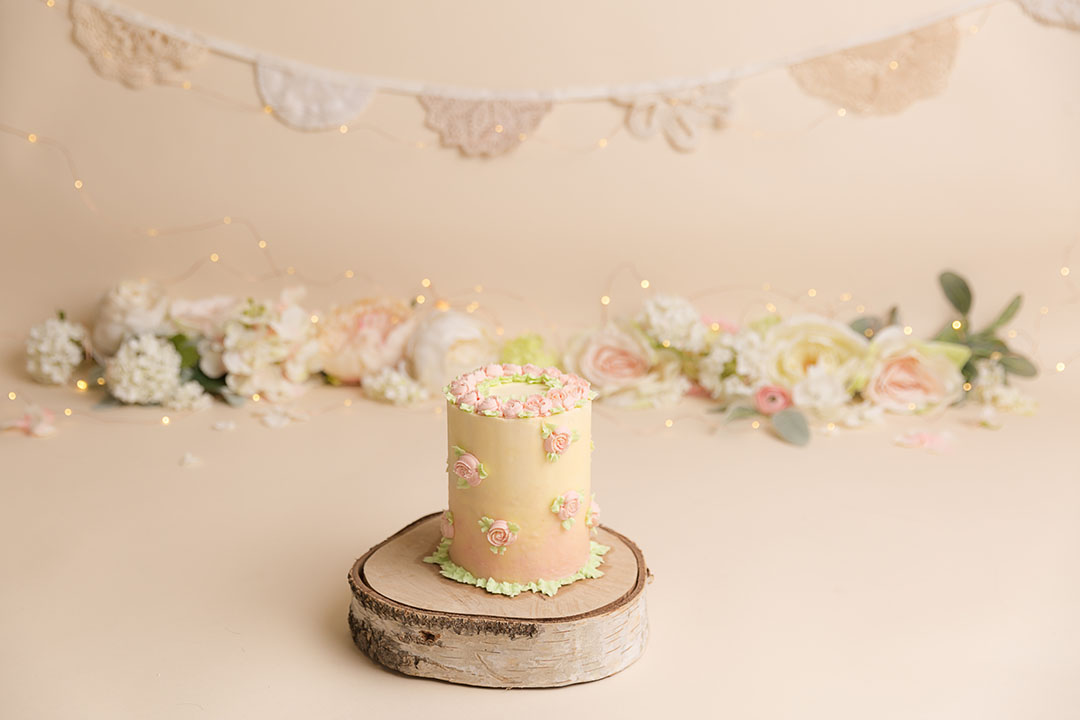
740,412
868,322
1007,314
189,352
1016,364
893,318
791,426
232,398
957,291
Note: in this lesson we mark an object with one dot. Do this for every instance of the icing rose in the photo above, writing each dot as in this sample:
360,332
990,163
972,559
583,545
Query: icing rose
570,506
493,371
538,404
499,535
470,398
558,440
594,514
556,396
511,369
576,389
475,377
467,467
531,370
513,408
446,524
771,399
489,404
458,388
552,371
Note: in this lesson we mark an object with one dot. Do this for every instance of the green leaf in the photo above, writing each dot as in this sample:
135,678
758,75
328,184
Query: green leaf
331,380
189,352
1007,314
791,426
61,314
984,345
107,402
740,412
893,318
862,324
1016,364
231,398
956,290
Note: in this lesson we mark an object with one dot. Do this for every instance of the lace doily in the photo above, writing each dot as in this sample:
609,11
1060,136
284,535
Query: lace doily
483,127
680,116
1065,13
310,103
883,77
136,56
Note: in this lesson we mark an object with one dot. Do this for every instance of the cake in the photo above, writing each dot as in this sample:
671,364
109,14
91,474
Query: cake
521,513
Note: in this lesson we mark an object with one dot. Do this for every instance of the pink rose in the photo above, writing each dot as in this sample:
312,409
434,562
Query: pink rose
470,398
556,396
594,514
493,370
538,404
499,534
552,371
446,524
610,358
363,337
458,388
571,505
511,369
771,399
489,404
531,370
475,377
911,376
558,440
467,467
513,408
576,389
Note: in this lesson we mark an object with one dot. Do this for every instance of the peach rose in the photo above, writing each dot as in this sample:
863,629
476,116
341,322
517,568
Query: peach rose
511,369
909,375
363,337
470,398
531,370
458,388
467,467
593,519
556,396
771,399
538,404
512,408
499,535
558,440
610,358
570,506
489,404
446,524
493,371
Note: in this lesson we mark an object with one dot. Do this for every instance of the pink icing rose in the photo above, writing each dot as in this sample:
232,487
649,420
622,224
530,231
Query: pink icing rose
499,534
531,370
558,441
475,377
467,467
576,389
493,370
538,404
489,404
446,525
556,396
511,369
513,408
470,398
594,514
771,399
571,505
458,388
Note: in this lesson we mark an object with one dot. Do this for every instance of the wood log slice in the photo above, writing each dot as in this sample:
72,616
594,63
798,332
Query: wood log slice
407,617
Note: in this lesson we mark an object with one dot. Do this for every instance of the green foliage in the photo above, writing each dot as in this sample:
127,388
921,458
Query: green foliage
525,349
791,426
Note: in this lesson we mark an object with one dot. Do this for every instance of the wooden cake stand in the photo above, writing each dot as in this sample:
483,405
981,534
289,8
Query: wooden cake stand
408,617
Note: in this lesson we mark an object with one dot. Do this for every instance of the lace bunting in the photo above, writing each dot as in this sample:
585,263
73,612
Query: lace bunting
884,77
307,102
483,127
135,55
680,116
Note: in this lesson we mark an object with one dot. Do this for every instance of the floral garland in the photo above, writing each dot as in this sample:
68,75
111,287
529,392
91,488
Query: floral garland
793,373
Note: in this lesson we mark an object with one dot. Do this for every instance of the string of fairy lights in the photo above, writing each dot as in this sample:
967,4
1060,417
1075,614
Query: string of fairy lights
468,299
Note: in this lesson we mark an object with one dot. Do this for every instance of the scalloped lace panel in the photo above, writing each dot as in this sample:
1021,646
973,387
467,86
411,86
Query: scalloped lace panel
483,127
679,116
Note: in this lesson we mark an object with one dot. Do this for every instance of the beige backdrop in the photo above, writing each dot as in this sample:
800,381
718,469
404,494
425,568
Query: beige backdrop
850,580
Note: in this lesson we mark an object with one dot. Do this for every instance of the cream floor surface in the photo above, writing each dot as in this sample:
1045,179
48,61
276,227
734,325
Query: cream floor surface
854,579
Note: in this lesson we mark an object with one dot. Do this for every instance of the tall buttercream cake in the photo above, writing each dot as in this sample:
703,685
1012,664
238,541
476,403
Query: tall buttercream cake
521,512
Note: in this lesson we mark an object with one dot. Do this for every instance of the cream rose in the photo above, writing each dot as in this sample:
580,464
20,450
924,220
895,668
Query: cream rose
610,358
802,342
364,337
447,344
132,307
909,375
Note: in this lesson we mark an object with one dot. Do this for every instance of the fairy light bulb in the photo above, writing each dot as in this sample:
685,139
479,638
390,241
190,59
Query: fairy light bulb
262,244
349,274
756,424
31,138
442,305
715,327
845,297
420,299
165,420
256,397
11,395
669,422
67,412
605,300
101,381
1065,271
841,112
869,332
227,220
811,292
601,143
214,257
860,309
893,64
78,184
348,402
343,129
770,307
967,387
956,324
426,282
907,330
268,109
1044,310
81,384
314,319
499,128
644,284
1060,367
666,343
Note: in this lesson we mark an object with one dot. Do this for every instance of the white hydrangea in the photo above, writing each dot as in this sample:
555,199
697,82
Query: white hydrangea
735,366
991,389
132,307
54,349
144,371
821,389
672,319
189,397
391,385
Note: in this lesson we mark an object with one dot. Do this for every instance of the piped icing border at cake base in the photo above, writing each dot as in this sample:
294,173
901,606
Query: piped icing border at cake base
450,569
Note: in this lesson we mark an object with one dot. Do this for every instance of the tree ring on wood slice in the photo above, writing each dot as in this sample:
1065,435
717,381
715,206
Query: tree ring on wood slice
406,616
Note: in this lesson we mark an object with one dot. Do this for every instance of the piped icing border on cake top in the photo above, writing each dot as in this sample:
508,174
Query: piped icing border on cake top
448,568
561,391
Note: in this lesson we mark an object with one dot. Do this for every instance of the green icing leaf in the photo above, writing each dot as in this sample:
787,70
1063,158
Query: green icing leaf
458,450
546,429
462,484
485,523
513,527
568,523
552,457
557,504
575,436
481,471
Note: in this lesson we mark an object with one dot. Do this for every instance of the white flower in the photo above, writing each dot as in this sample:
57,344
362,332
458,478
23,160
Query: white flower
133,307
54,349
674,320
35,422
270,349
447,344
144,371
189,396
822,388
205,321
859,414
735,366
991,388
797,344
277,416
364,337
393,386
910,375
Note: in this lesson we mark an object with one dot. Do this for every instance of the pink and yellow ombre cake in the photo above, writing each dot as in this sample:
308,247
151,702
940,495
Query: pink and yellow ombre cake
521,513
